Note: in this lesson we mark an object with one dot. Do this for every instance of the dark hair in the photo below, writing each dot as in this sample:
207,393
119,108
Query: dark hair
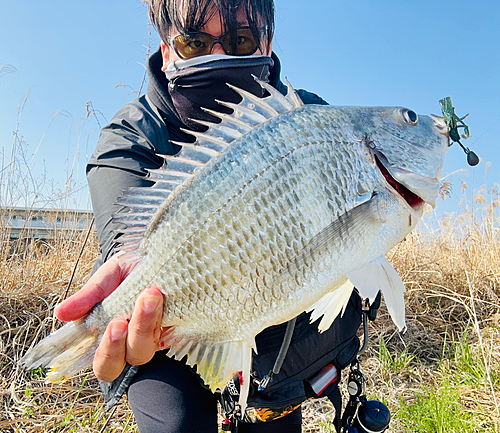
191,15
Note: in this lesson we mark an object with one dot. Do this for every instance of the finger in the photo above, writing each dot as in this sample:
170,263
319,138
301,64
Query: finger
144,327
109,359
107,278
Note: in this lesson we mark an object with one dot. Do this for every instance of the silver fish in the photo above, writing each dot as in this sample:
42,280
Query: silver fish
278,209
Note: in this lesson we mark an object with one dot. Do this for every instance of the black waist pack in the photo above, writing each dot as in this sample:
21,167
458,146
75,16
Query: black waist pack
311,368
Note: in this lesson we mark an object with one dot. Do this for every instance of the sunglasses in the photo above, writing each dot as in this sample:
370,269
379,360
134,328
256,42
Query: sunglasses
194,44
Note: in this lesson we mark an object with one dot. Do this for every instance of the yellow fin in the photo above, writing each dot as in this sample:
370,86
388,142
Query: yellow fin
216,363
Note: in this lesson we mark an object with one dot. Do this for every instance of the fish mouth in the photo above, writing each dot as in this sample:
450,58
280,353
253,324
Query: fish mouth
413,200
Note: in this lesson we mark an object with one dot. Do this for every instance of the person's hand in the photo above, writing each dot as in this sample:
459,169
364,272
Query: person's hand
134,341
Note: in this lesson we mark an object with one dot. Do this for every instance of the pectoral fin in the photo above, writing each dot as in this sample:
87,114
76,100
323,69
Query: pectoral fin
348,226
380,275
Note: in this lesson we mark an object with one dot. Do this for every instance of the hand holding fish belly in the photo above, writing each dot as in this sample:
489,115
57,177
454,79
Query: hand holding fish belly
268,214
133,341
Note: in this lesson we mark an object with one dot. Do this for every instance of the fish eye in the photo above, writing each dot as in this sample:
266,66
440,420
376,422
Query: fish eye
410,117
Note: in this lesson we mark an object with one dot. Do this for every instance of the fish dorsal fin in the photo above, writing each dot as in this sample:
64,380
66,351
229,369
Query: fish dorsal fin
162,175
253,110
254,103
145,202
213,139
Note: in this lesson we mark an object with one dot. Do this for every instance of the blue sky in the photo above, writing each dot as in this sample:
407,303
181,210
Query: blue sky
351,52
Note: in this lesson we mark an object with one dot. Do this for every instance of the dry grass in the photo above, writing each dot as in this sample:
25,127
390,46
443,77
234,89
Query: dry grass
451,269
34,276
452,272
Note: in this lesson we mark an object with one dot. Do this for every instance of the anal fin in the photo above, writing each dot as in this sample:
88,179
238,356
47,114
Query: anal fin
216,363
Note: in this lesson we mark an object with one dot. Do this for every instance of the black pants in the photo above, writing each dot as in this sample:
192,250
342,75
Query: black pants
167,397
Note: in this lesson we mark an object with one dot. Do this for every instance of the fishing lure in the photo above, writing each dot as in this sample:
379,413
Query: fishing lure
454,122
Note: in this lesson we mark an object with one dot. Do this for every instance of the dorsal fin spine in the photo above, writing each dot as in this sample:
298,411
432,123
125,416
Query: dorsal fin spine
147,191
169,176
129,216
130,233
200,148
249,98
139,208
249,116
279,102
182,160
131,201
293,96
229,119
201,136
219,131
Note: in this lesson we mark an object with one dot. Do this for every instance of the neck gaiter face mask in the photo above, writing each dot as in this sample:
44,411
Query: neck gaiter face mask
197,83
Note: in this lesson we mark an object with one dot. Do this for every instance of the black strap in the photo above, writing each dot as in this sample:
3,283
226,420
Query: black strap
336,398
372,312
290,326
369,314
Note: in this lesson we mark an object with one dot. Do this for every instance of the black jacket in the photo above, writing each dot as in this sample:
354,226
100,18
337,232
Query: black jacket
127,147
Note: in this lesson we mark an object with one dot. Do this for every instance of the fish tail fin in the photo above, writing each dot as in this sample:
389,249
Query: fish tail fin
66,351
216,363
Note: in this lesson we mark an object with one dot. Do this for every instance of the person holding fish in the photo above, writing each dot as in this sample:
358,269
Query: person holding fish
336,187
232,40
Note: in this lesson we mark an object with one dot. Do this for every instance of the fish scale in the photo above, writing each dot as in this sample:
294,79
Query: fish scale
274,211
275,214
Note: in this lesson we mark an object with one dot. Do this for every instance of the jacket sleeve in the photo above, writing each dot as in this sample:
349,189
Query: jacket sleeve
310,98
128,146
106,184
